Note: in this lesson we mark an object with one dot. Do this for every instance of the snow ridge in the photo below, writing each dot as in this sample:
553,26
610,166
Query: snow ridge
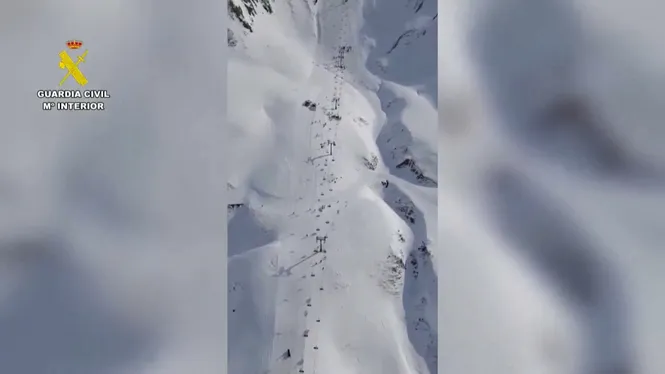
334,201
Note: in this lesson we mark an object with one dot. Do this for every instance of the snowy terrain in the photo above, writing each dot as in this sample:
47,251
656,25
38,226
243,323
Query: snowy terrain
552,189
332,215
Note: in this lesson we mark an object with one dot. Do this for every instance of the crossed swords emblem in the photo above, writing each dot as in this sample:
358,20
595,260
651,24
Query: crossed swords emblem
66,62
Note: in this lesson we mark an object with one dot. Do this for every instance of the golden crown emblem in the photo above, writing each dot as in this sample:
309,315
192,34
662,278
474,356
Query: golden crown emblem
74,44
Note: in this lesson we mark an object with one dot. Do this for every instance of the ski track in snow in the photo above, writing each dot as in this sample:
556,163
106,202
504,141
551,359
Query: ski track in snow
348,285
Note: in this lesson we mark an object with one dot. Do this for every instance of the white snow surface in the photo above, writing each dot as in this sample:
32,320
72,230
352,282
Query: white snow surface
552,198
367,302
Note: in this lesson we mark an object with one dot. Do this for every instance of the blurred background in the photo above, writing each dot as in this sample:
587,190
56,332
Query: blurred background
113,223
552,213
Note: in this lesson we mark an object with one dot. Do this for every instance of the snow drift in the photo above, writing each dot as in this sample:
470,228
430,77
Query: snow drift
333,185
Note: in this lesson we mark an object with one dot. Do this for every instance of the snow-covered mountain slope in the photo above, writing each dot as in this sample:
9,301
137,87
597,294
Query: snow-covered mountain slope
553,165
333,187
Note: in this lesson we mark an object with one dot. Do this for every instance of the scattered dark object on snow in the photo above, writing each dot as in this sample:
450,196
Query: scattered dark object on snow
306,333
286,354
315,347
309,105
318,320
385,183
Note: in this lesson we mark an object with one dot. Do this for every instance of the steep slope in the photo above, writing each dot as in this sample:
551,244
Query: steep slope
333,187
